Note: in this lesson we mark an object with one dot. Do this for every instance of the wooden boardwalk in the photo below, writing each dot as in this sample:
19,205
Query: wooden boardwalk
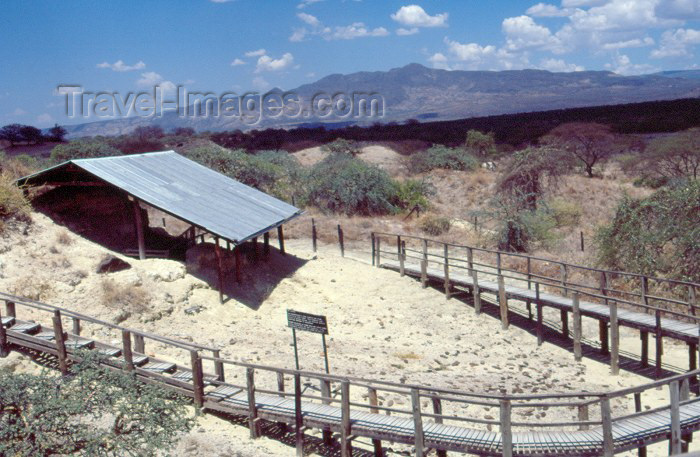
349,409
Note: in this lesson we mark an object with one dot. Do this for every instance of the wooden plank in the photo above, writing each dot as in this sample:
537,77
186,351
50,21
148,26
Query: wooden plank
252,408
577,327
603,336
10,308
503,302
417,423
424,273
659,344
437,409
583,416
644,338
314,235
374,250
139,344
76,325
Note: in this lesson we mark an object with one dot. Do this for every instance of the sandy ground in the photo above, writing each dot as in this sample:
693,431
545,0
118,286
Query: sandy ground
382,326
381,156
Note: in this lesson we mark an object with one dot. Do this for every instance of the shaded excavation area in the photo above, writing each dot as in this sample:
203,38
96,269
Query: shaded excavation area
162,204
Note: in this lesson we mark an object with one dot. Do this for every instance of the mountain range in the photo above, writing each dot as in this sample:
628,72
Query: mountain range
417,92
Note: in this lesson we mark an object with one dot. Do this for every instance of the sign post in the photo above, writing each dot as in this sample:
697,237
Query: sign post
313,323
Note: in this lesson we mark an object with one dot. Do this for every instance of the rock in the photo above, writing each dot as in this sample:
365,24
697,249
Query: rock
111,264
192,310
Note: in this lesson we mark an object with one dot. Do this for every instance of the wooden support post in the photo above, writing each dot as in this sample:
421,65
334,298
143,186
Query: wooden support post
424,273
540,326
239,264
218,366
76,326
326,393
644,338
675,418
642,451
506,429
197,379
402,258
138,223
4,345
606,417
126,350
693,364
529,273
425,250
228,245
659,344
437,409
582,245
686,437
528,305
266,244
503,302
345,449
577,327
476,292
604,338
417,423
692,299
603,283
470,259
374,249
280,238
564,323
314,235
60,339
139,344
448,286
563,272
614,340
10,309
252,407
583,416
298,416
341,241
220,268
398,247
498,263
373,401
378,251
280,388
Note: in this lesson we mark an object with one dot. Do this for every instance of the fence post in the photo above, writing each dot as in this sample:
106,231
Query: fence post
529,273
437,409
374,251
402,257
76,326
326,392
280,389
470,259
659,343
583,416
577,327
506,430
4,346
314,235
379,250
642,451
675,440
503,301
476,292
10,309
252,407
563,271
614,339
606,416
341,241
373,401
424,273
398,246
139,344
425,249
417,423
298,417
126,350
60,338
538,304
692,299
197,379
345,449
498,262
582,246
218,365
447,273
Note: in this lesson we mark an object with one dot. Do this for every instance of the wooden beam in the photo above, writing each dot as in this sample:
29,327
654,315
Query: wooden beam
675,418
10,308
577,327
126,350
76,326
503,302
341,241
252,407
345,430
219,269
139,344
197,379
614,339
506,429
314,235
476,292
280,238
606,417
448,286
642,451
564,323
327,433
138,223
239,264
659,344
373,401
218,366
417,423
437,409
280,388
424,273
644,338
4,346
298,416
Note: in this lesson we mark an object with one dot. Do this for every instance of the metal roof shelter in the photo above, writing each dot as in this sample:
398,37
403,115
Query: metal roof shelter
181,187
210,201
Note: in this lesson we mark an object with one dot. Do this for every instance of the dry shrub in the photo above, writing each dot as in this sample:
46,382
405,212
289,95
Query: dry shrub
435,225
13,203
129,298
33,288
64,238
566,213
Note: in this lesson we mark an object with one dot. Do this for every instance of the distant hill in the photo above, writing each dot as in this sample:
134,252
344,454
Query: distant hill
418,92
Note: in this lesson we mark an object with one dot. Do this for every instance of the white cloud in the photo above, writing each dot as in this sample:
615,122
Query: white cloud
634,43
547,10
577,3
44,119
415,16
678,9
298,35
404,32
348,32
257,53
304,3
237,62
309,19
676,43
267,63
119,65
624,66
522,32
356,30
151,79
558,65
439,60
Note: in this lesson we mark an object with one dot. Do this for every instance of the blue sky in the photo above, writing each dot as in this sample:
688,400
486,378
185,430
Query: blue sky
244,45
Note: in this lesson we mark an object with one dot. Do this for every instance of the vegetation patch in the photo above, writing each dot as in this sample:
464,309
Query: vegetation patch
442,157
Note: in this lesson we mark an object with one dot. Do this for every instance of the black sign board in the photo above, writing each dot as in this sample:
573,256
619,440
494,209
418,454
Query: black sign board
307,322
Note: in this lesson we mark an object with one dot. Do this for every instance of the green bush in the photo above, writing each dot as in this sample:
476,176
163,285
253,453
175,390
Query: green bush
412,193
343,184
519,230
442,157
13,203
435,225
565,214
656,235
83,149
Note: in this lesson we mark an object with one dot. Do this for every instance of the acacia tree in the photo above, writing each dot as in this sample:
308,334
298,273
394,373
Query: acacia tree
480,144
588,142
12,133
94,411
57,133
674,156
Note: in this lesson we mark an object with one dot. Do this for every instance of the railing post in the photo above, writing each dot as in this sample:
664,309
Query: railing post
470,259
345,449
373,401
437,409
563,272
398,246
402,257
424,273
4,346
675,440
60,338
314,235
417,423
529,273
425,249
583,416
577,327
298,416
374,250
76,326
252,407
498,262
659,343
197,379
506,429
218,365
448,286
642,451
538,304
692,299
10,309
326,392
280,388
606,416
126,350
503,302
476,292
139,344
614,339
378,242
341,241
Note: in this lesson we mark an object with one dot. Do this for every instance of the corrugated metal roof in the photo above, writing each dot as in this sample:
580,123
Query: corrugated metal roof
189,191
